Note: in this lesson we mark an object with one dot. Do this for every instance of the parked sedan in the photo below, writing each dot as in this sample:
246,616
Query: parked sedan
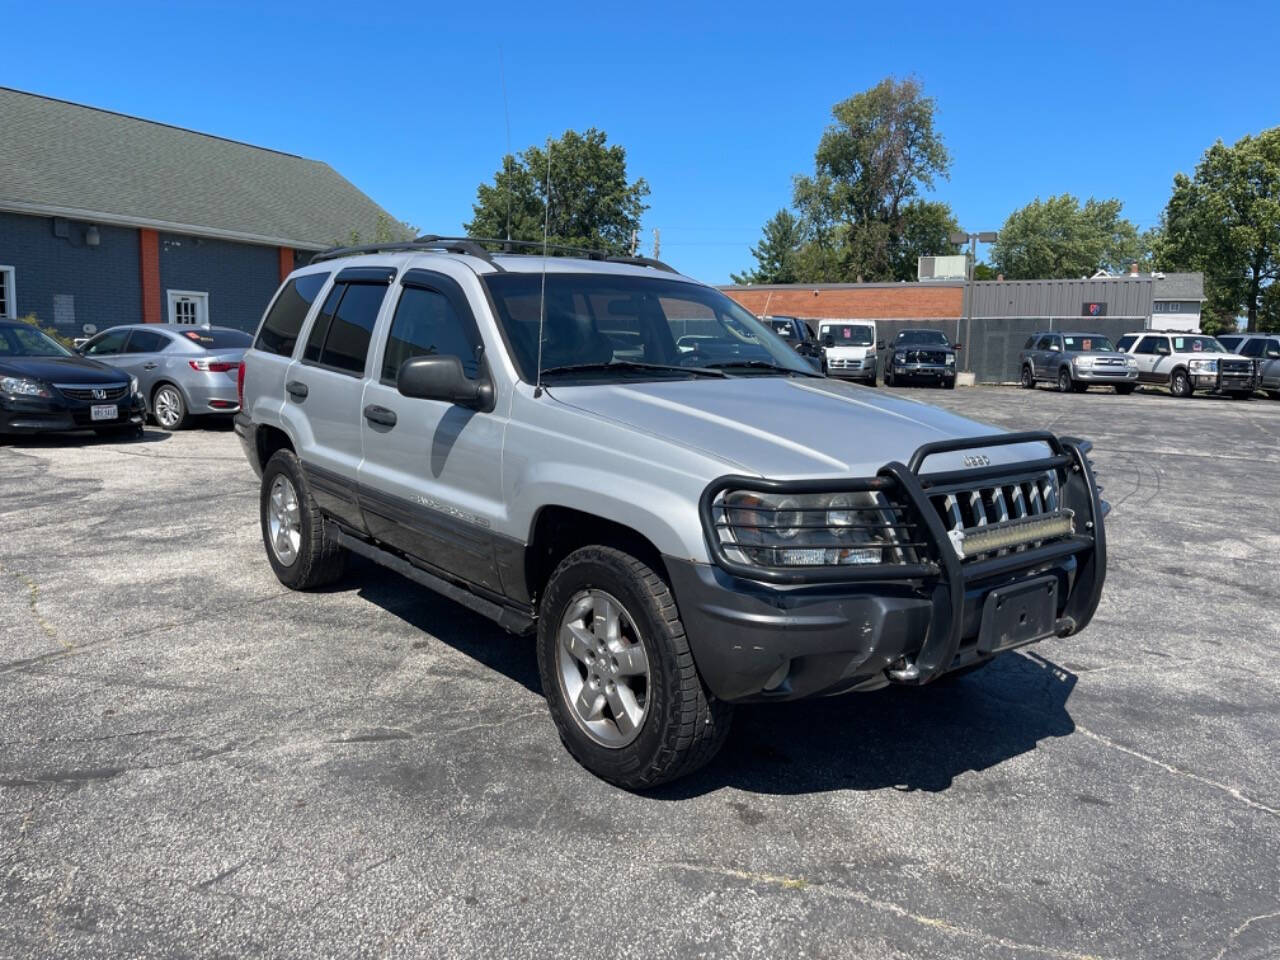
46,387
183,371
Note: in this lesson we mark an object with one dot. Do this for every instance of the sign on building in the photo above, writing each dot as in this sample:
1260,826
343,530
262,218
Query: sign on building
1094,308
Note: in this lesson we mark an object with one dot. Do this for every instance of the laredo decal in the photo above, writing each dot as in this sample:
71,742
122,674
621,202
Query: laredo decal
433,504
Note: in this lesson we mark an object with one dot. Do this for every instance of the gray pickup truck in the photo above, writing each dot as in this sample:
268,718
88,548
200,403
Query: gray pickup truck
630,466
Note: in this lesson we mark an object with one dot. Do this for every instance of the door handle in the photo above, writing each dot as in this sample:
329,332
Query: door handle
296,389
150,366
376,414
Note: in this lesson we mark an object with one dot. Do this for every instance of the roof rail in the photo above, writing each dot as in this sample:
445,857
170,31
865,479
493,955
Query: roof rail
476,247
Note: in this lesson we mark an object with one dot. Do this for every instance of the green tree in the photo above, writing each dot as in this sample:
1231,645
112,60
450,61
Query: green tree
1058,238
924,232
858,208
778,253
592,202
1225,221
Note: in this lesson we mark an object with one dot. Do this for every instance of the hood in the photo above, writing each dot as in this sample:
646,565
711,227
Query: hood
1113,354
61,370
787,428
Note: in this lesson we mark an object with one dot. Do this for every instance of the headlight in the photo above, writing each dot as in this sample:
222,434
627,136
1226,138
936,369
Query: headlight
21,387
1203,366
899,358
1083,361
133,384
1131,362
809,530
951,359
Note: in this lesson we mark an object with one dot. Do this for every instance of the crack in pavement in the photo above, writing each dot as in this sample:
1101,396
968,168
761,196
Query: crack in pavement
1178,771
884,906
1235,934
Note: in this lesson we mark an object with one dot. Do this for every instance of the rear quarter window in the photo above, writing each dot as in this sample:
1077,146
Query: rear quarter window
279,333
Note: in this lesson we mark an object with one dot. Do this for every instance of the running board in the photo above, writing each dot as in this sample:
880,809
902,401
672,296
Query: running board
506,617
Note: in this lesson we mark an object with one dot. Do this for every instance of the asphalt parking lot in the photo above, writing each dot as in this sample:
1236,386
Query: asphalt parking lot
196,762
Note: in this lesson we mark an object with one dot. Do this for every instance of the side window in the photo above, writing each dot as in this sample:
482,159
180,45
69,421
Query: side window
1253,348
279,331
1149,344
320,329
1124,343
346,347
427,324
107,344
1044,343
1273,349
1029,345
146,341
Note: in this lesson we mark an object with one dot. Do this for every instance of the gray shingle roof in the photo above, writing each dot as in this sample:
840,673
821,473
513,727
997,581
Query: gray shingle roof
1179,286
64,159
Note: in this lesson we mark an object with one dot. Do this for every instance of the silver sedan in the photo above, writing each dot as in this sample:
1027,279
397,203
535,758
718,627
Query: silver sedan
183,371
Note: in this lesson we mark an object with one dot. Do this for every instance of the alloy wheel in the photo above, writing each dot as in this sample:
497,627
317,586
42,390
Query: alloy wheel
284,521
168,409
603,668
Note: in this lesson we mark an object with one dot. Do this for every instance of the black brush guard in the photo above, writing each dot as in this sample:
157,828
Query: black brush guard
941,572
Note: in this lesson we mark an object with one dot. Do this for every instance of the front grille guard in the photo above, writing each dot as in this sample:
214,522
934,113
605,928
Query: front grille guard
940,572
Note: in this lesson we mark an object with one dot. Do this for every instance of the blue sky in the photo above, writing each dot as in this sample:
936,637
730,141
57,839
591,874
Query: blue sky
717,105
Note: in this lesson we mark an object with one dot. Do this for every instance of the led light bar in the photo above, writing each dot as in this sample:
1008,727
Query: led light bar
1013,533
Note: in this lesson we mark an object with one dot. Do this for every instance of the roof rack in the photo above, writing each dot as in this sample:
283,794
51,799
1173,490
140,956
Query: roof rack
476,247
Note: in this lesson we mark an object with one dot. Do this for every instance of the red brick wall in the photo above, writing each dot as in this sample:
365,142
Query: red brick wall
871,302
149,261
286,262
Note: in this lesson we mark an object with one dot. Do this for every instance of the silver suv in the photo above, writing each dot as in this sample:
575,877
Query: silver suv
1076,361
632,467
1264,350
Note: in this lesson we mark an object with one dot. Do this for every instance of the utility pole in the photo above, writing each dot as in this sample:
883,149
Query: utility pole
635,242
971,258
657,243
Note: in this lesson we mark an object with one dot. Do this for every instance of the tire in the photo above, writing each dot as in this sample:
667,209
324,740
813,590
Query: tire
169,408
1124,389
1028,378
679,726
1064,381
872,381
888,379
312,560
950,384
1180,384
1079,387
1274,394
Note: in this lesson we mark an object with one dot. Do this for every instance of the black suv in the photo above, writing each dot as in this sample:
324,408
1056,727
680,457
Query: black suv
918,355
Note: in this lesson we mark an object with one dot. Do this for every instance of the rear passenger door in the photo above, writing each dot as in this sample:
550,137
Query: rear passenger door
326,385
431,480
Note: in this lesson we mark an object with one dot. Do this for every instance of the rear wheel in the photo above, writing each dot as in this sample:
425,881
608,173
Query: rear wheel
618,675
1274,394
888,378
293,531
168,407
1124,389
1064,380
1028,378
1180,384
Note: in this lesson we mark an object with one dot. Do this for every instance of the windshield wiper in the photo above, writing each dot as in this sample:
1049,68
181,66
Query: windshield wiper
632,365
760,365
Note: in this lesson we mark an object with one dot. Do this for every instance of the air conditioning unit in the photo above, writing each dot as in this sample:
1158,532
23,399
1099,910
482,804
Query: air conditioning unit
941,268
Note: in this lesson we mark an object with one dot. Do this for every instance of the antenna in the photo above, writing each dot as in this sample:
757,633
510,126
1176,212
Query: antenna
506,113
542,296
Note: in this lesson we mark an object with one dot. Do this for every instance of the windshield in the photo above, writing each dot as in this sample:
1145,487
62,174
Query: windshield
27,341
1197,345
932,338
847,334
600,319
1087,343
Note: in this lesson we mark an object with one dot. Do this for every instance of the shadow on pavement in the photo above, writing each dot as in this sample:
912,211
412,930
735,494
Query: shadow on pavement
83,438
905,738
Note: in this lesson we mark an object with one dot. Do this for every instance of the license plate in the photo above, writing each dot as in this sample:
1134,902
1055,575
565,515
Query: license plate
1022,613
103,411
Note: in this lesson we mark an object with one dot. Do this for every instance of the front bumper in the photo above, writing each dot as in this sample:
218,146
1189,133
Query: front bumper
28,415
754,639
923,371
1225,382
851,369
1105,374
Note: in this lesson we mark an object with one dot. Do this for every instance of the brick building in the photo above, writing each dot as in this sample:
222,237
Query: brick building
109,219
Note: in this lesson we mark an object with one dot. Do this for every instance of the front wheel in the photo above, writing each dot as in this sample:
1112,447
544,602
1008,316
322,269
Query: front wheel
1124,389
1064,380
1180,384
888,378
950,384
618,675
1028,378
298,546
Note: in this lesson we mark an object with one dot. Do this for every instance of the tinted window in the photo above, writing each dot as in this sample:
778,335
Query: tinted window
280,329
1252,349
320,329
1230,342
1273,348
427,324
935,338
146,341
1197,345
218,338
1045,342
106,344
1149,344
1125,343
1031,341
347,344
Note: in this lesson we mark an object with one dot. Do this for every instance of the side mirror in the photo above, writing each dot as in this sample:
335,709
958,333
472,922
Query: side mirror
441,378
828,341
879,344
957,347
1163,350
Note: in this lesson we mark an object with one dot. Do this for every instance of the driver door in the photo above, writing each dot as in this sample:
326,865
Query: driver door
1149,357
